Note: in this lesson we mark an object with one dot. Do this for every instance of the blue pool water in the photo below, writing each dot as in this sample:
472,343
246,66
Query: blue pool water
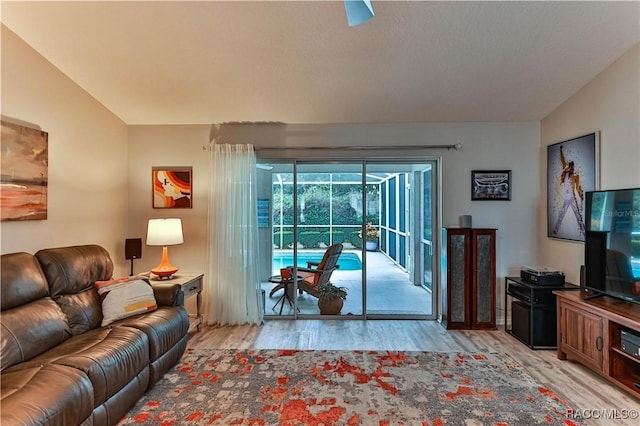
347,261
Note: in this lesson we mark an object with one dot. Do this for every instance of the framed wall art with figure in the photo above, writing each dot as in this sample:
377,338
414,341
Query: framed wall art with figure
572,170
172,187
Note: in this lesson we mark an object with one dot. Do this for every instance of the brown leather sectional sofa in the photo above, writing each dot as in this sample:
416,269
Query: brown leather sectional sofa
58,365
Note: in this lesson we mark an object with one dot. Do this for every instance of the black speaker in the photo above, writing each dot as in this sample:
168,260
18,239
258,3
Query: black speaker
595,257
544,324
133,248
520,321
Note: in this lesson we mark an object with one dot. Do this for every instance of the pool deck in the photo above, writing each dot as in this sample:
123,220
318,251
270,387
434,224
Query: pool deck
389,292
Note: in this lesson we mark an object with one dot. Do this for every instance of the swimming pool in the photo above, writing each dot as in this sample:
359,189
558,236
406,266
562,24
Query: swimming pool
347,261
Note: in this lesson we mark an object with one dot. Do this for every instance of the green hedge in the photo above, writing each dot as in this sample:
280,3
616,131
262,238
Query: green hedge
318,238
312,239
287,239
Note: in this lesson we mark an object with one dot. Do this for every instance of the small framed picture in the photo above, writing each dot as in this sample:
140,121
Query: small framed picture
171,187
492,185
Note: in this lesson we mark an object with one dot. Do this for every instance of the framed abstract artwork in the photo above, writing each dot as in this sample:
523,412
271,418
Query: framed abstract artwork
24,178
491,185
572,169
172,187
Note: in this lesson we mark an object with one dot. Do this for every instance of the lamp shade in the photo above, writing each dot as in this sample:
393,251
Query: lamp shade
164,232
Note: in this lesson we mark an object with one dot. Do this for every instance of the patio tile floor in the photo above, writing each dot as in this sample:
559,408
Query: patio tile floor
389,292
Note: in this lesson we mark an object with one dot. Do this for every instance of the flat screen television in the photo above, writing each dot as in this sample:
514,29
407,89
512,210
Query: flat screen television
612,243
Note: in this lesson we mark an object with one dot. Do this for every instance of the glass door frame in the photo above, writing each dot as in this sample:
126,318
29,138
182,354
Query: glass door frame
435,163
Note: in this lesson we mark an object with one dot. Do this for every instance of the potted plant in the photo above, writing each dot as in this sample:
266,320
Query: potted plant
331,298
371,237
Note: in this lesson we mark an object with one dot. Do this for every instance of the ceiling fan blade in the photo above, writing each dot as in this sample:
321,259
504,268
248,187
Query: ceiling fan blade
358,11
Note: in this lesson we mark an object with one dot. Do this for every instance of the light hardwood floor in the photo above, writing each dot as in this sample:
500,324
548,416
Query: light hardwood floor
581,388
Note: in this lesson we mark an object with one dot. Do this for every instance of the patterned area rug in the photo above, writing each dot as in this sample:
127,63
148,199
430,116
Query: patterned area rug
290,387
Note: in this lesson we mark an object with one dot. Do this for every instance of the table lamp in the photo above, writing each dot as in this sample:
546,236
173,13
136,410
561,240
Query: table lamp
164,232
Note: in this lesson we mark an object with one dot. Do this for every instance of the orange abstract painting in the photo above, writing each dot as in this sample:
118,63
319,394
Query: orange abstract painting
171,187
23,179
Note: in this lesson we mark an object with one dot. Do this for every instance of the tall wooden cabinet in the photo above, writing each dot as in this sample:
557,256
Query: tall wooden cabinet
469,284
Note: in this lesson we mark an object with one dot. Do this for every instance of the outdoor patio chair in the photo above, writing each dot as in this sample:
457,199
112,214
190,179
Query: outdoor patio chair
316,273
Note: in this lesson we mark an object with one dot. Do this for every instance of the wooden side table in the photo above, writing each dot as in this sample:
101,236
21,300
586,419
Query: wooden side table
191,285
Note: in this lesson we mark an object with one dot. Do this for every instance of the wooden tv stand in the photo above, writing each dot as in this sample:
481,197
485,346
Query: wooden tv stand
589,332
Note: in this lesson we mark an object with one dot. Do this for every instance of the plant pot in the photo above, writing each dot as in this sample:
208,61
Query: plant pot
331,306
371,245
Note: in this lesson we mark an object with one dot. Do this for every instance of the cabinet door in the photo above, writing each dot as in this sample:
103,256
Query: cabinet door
457,303
581,335
483,283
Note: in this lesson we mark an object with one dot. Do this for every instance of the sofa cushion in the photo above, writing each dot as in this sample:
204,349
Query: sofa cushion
125,297
22,280
164,327
109,356
70,270
31,322
83,310
71,273
45,395
170,358
31,329
113,409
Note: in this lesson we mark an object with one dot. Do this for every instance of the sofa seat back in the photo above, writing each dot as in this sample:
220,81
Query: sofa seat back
31,322
71,273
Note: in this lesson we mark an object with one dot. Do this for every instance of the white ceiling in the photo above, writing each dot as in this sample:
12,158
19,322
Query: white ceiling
203,62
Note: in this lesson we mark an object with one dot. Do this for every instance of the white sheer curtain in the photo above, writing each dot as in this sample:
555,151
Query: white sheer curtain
233,284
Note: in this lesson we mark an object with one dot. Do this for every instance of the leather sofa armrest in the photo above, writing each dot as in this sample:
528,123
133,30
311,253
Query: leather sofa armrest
168,294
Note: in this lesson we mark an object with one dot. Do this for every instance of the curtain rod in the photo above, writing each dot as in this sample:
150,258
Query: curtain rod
455,147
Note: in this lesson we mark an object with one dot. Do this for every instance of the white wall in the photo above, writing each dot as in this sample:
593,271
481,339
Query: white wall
609,103
497,146
176,146
87,174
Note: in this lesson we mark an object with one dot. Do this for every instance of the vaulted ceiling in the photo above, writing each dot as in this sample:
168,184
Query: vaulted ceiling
182,62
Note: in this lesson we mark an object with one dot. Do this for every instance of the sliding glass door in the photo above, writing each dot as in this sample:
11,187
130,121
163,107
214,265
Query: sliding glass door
382,215
329,204
395,272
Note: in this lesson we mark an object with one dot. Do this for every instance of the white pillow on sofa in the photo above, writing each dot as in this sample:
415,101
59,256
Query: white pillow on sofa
125,297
